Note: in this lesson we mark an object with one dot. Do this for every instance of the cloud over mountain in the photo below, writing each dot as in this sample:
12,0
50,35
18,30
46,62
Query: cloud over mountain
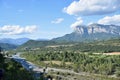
110,20
78,22
16,29
92,7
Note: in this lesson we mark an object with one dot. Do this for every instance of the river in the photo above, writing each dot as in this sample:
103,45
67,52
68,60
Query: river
28,65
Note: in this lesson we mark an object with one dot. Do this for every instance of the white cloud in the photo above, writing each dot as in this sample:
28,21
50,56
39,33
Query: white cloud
90,23
16,29
92,7
110,20
57,21
77,23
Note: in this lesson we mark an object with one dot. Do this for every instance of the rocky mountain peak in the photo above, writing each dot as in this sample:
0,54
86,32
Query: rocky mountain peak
98,28
91,32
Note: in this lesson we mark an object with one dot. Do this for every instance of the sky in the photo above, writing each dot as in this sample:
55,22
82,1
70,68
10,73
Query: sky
47,19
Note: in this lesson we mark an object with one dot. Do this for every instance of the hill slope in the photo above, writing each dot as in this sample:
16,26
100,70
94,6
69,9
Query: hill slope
7,46
35,44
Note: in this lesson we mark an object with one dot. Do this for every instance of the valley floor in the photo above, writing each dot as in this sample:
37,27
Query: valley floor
70,74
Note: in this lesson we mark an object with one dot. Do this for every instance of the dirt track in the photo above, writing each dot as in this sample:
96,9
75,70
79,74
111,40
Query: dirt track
113,53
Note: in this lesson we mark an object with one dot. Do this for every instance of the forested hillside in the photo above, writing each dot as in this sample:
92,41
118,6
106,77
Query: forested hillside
112,45
7,46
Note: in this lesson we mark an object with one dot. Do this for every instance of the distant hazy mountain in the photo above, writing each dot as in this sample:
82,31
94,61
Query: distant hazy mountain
7,46
91,32
18,41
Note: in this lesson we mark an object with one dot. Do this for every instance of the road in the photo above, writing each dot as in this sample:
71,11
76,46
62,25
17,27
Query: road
66,71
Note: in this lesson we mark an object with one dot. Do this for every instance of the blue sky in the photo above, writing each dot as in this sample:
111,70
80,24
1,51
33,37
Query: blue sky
53,18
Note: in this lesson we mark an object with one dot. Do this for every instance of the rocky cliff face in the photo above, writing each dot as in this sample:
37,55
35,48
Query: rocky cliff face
92,32
98,28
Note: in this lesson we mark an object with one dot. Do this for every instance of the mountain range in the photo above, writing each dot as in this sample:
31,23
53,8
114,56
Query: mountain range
81,33
91,32
18,41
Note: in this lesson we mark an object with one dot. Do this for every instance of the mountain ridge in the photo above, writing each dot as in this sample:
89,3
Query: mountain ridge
91,32
17,41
